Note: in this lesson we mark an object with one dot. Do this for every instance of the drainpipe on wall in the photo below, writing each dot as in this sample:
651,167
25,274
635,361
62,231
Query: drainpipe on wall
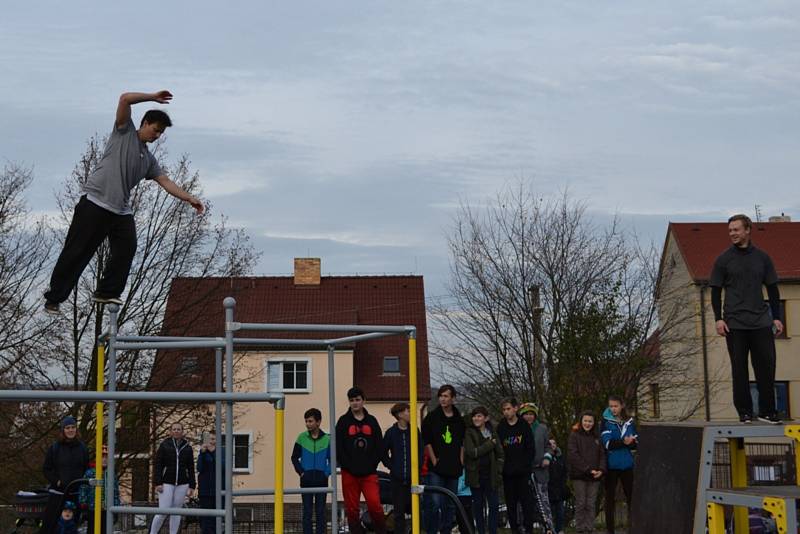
706,394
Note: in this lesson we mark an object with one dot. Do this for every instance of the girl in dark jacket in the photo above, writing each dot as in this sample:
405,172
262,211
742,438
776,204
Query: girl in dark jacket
66,461
483,462
586,462
173,476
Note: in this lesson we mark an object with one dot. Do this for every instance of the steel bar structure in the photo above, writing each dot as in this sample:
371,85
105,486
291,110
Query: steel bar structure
107,396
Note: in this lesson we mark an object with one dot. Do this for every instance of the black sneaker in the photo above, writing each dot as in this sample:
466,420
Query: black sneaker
746,418
102,298
52,308
772,419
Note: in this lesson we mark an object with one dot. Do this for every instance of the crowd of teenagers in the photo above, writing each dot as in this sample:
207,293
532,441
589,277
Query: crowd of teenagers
477,459
474,457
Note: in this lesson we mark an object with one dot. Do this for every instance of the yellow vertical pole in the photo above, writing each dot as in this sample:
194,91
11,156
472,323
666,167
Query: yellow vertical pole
279,406
741,522
98,439
412,393
716,518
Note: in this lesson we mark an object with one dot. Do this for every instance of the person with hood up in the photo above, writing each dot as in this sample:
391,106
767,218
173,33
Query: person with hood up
311,458
557,490
86,495
207,480
483,462
397,458
443,432
173,476
586,461
65,461
360,448
619,440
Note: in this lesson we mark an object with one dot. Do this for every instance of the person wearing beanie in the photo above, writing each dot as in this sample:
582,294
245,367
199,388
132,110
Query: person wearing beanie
66,460
542,455
360,449
67,523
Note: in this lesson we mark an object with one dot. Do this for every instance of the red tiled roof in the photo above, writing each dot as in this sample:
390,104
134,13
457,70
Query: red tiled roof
194,308
701,243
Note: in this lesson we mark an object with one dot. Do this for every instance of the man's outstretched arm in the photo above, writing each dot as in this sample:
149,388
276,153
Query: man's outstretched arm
177,191
126,100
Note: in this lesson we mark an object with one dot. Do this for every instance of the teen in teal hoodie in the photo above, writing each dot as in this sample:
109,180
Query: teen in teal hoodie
619,439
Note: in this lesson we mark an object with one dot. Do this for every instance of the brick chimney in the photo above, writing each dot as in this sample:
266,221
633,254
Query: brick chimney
780,218
307,271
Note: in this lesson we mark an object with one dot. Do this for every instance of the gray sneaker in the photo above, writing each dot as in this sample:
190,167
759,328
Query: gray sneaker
102,298
52,308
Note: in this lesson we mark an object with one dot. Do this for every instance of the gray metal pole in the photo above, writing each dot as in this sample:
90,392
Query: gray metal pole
218,434
113,315
229,303
159,396
354,328
332,430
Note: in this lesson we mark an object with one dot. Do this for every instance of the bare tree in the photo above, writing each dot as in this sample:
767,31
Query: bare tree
546,305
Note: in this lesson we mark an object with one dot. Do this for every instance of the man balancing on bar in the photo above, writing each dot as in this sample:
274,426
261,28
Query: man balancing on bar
104,211
749,324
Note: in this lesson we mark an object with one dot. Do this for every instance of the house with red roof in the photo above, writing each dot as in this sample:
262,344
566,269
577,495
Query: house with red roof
696,381
378,366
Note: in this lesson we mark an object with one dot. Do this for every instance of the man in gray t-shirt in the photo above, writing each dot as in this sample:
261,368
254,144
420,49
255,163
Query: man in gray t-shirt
747,322
104,210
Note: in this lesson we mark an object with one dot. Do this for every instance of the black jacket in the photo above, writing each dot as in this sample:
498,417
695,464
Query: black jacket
174,463
64,462
557,484
446,436
585,454
397,452
359,444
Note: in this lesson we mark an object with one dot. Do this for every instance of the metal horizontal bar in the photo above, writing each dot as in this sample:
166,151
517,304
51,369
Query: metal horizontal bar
152,510
359,337
740,497
280,342
167,338
164,396
746,431
271,491
358,328
147,345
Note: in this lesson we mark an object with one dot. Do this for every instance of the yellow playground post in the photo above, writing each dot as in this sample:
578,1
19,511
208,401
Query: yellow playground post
279,409
412,394
98,455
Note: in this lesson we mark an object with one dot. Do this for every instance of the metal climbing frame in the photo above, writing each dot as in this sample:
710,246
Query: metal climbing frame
779,501
111,396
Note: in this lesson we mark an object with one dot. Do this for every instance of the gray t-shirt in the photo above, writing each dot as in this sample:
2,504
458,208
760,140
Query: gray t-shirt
742,272
125,162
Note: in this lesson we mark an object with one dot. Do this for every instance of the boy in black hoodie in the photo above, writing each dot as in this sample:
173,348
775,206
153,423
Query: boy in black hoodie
360,449
517,439
443,432
397,458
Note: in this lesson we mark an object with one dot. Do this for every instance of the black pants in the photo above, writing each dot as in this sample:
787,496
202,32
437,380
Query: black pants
626,477
517,491
401,504
90,522
90,225
314,505
760,344
466,503
208,525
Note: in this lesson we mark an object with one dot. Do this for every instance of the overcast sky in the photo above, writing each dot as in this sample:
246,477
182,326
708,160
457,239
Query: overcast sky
350,130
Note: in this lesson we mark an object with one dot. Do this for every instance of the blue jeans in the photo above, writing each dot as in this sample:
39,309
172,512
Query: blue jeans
557,509
441,513
314,503
485,493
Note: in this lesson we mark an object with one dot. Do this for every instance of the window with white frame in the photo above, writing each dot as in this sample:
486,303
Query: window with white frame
289,375
242,452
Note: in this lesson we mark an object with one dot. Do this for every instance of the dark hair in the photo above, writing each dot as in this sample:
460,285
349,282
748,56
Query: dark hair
399,407
509,400
157,116
479,410
313,412
741,217
354,392
63,437
447,387
587,413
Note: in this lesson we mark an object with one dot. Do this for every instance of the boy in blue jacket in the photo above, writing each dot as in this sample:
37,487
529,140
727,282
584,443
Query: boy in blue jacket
619,440
311,458
397,458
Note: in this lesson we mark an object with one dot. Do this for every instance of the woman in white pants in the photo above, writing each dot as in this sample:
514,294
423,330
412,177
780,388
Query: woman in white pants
173,476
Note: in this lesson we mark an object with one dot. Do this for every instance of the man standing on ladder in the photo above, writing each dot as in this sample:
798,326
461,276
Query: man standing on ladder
104,210
748,324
